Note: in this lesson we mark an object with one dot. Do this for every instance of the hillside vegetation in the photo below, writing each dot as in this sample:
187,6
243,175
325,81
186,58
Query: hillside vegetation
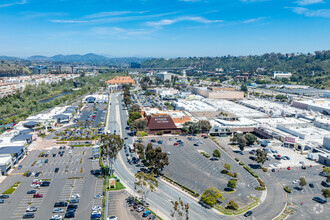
301,66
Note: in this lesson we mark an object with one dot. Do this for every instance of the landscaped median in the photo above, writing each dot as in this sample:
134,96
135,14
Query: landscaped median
225,211
186,189
12,188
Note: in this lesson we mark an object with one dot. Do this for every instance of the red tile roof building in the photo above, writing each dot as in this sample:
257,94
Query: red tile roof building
120,80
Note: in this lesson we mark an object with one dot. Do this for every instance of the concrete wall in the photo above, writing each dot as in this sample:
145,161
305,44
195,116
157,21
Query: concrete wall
326,143
229,95
299,105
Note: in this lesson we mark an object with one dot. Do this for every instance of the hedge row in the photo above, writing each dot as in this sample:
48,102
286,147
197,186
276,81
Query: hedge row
262,184
250,171
205,154
260,188
287,189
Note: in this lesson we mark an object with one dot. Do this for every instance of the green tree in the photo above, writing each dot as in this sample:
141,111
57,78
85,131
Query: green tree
210,196
205,126
261,156
241,143
135,108
244,88
180,210
326,193
250,139
216,153
328,178
133,116
156,158
326,170
145,183
138,125
227,166
231,184
232,205
110,147
302,182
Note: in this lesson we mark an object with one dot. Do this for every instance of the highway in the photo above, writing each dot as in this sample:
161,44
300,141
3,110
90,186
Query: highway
160,200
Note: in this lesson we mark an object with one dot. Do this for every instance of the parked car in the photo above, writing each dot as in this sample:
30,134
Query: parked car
31,191
56,170
196,145
61,204
325,184
19,167
57,217
69,215
323,174
31,209
28,215
96,214
72,201
273,170
289,168
140,209
45,183
71,206
112,218
2,201
37,195
58,210
146,213
37,174
75,196
311,185
248,213
175,144
318,199
4,197
152,217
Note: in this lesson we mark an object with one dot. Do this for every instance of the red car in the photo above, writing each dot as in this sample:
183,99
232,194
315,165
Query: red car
203,135
37,195
176,144
289,168
279,156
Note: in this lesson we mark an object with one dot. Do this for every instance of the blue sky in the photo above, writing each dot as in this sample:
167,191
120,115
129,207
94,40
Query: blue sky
163,28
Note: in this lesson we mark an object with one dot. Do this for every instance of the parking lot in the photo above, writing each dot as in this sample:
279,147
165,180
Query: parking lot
73,179
92,112
198,173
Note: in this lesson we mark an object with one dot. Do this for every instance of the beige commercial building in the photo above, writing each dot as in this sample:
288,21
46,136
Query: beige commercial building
218,93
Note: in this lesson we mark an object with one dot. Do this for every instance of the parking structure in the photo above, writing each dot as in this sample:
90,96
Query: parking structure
73,177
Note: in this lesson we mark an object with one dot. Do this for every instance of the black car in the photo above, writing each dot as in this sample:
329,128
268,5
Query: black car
248,213
45,183
46,161
72,201
28,174
69,215
28,215
318,199
31,192
325,184
61,204
54,155
2,201
20,167
71,210
311,185
4,197
71,206
57,169
37,174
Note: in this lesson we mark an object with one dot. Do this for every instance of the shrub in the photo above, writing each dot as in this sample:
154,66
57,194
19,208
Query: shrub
260,188
205,154
231,184
227,166
287,189
235,174
224,171
241,163
264,169
232,205
236,159
159,133
262,184
250,171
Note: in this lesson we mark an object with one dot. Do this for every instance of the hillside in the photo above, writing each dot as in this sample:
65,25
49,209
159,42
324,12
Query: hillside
302,66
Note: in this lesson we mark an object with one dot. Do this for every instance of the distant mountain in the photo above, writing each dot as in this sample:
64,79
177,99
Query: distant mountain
89,58
10,58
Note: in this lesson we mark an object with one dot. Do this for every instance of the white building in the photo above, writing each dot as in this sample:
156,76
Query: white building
164,76
280,75
319,105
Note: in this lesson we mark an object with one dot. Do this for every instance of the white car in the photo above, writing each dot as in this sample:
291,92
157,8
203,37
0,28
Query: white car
96,212
35,185
57,217
295,181
31,209
275,164
96,208
76,196
58,210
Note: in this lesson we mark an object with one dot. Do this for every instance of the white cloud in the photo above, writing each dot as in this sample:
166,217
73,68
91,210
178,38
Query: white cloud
309,2
112,13
120,33
253,20
165,22
325,13
22,2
